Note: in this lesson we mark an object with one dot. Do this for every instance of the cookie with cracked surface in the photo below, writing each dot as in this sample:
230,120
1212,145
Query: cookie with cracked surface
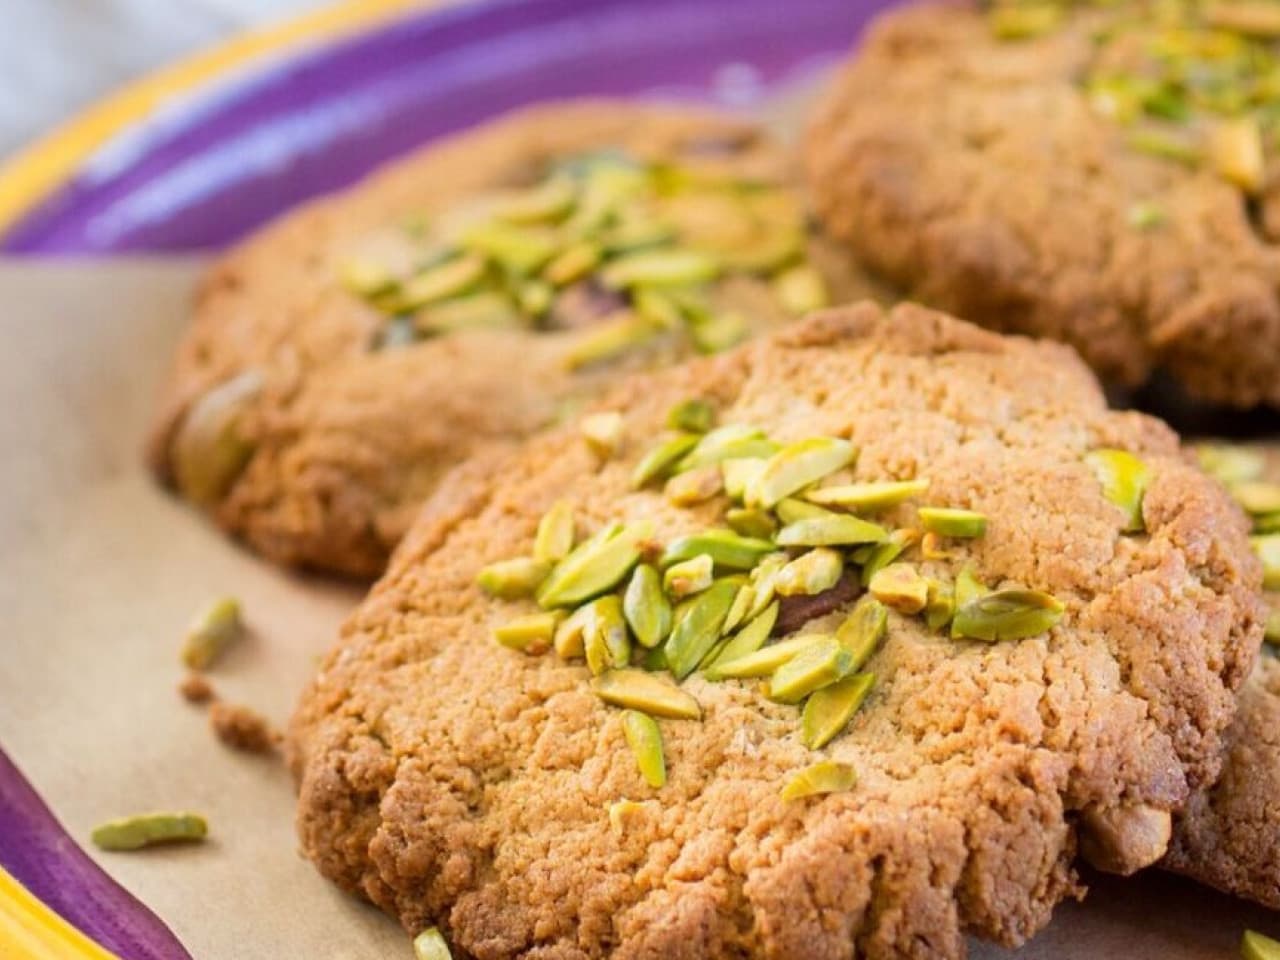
342,358
1229,835
457,782
1093,174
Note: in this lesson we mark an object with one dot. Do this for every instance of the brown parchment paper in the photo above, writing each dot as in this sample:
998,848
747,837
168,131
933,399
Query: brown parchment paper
99,573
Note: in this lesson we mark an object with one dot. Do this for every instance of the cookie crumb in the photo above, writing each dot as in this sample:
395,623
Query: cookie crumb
195,688
242,728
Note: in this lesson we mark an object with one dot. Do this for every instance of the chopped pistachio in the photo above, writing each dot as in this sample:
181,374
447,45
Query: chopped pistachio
1006,615
900,586
556,532
366,278
758,524
826,776
610,338
646,692
659,268
1254,946
658,308
765,660
572,264
519,250
768,252
951,522
791,510
882,554
739,610
146,829
646,607
800,289
931,547
798,465
729,550
1165,145
866,497
719,332
620,811
1124,480
1257,497
1023,21
534,298
659,460
1235,149
1267,547
212,630
1271,627
694,486
863,630
747,640
430,945
602,432
531,633
810,573
739,473
512,579
210,449
698,627
1230,463
569,640
592,567
1146,215
688,577
442,282
478,311
635,232
834,529
605,641
828,711
550,200
813,668
733,441
692,416
941,606
645,740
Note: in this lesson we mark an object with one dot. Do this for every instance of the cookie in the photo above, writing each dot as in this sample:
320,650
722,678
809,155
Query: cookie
460,765
1229,835
1102,175
343,358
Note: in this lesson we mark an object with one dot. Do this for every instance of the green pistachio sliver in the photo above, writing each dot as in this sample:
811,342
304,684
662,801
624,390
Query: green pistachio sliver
519,250
1257,497
366,278
556,532
532,633
646,692
634,232
798,465
815,667
1007,615
442,282
534,299
646,607
828,710
764,581
605,189
1146,215
620,811
658,308
900,586
1271,628
572,264
826,776
800,290
1236,152
770,251
692,416
605,641
739,473
602,432
694,486
592,568
1124,480
765,660
791,510
810,573
550,200
479,311
430,945
863,630
1254,946
743,601
834,529
1023,21
882,554
688,577
868,497
645,740
659,268
570,637
727,549
758,524
733,441
609,339
1267,547
147,829
211,631
514,578
1166,146
966,589
941,605
698,627
719,332
1230,463
953,522
661,458
746,641
210,449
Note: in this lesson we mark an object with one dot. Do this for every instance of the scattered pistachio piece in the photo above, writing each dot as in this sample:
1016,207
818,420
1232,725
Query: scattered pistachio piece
1267,547
692,416
592,567
698,627
620,811
694,486
609,339
658,308
534,298
688,577
791,510
952,522
798,465
646,692
747,640
210,450
1257,498
573,263
863,630
146,829
733,441
828,711
1254,946
430,945
867,497
719,332
727,549
441,282
1166,145
882,554
520,250
941,606
764,581
556,532
659,268
810,573
645,740
531,633
1271,628
1230,463
646,607
1146,215
1235,149
931,548
900,586
366,278
212,630
826,776
602,432
834,529
477,311
1006,615
743,600
739,473
813,668
757,524
659,461
765,660
1124,480
550,200
570,636
800,290
605,641
512,579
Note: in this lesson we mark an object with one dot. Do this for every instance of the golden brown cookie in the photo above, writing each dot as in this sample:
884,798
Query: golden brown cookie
460,765
342,358
1091,173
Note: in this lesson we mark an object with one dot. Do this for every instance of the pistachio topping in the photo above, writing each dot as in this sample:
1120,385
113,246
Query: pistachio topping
1124,480
834,529
688,577
727,549
556,532
692,416
828,711
148,829
825,776
791,510
212,630
430,945
515,578
661,458
645,740
766,660
602,432
739,473
645,692
816,666
646,607
210,448
697,627
606,644
798,465
1257,498
863,630
867,497
901,587
531,633
880,555
1267,547
442,282
1271,628
951,522
1230,463
592,567
620,811
660,268
733,441
694,486
747,640
1006,615
620,333
810,573
757,524
801,289
941,605
1254,946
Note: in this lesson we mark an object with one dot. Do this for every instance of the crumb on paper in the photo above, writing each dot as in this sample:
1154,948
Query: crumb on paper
195,688
242,728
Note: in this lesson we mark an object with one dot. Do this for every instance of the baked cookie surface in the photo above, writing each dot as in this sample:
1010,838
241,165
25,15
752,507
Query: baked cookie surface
1103,175
342,358
453,780
1229,835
